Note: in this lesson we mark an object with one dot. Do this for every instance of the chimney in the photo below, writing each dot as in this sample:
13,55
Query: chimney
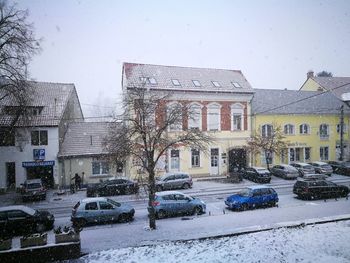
310,74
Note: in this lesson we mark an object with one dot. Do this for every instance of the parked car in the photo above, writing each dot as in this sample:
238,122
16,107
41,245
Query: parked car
20,220
304,168
112,187
322,168
335,165
174,181
33,189
257,174
314,188
285,171
343,168
100,210
252,197
169,203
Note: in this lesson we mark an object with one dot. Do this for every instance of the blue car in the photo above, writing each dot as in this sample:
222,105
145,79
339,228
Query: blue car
252,197
172,203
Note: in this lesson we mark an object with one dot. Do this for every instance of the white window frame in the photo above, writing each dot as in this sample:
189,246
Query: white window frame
213,109
195,159
289,129
195,108
264,130
237,109
325,136
176,82
101,167
324,153
176,126
196,83
302,128
216,84
345,128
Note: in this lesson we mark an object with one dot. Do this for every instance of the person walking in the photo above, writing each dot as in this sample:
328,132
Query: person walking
77,181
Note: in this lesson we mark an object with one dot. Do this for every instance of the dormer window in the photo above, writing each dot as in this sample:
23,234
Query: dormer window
196,83
236,84
216,84
152,81
143,80
176,82
36,111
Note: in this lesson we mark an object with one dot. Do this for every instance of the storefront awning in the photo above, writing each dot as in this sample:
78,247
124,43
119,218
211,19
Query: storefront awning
36,164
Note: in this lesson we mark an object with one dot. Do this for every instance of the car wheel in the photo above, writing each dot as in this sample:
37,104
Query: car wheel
272,203
244,207
40,228
161,214
197,210
128,191
81,222
159,188
123,218
344,193
185,186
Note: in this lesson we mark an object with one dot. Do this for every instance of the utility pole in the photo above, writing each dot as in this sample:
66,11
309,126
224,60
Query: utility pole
341,133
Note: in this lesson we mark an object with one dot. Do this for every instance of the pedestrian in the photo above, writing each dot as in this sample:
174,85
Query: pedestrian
77,181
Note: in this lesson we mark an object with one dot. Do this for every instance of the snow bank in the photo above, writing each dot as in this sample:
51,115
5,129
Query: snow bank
317,243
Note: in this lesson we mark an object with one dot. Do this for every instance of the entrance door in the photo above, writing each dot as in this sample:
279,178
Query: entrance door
174,160
11,175
214,161
45,173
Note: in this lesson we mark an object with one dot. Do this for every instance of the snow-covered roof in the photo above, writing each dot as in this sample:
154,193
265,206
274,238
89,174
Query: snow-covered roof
24,208
164,77
84,139
337,85
273,101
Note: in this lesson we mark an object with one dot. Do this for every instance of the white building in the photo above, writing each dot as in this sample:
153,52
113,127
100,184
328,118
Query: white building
32,151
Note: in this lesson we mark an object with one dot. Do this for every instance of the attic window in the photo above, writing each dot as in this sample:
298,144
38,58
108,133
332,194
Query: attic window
152,81
236,85
216,84
143,80
176,82
196,83
319,89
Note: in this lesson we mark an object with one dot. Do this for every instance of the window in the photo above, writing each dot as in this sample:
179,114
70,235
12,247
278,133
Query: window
195,158
105,206
196,83
176,82
195,116
289,129
307,154
175,160
152,81
216,84
91,206
16,214
291,155
324,131
236,84
266,130
214,117
143,80
284,156
237,117
304,129
99,168
7,138
39,137
324,153
174,115
344,128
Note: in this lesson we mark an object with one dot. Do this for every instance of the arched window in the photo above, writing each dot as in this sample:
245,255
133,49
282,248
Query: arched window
174,116
324,131
304,129
237,117
214,117
195,116
289,129
266,130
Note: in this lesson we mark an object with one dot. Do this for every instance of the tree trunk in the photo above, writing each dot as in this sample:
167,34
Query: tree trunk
151,197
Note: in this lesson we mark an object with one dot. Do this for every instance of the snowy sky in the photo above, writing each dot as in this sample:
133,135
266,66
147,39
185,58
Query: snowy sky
274,43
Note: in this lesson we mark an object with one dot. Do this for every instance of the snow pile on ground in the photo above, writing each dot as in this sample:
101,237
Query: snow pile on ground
318,243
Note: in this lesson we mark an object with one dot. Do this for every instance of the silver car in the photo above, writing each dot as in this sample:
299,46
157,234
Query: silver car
174,181
304,168
322,168
285,171
100,210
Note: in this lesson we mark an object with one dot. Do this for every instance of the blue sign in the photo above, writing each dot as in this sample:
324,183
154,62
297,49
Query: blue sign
35,164
39,154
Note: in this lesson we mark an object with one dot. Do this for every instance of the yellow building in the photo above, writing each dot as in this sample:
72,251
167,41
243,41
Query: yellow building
310,121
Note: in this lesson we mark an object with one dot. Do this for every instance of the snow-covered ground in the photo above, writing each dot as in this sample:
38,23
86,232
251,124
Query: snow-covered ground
315,243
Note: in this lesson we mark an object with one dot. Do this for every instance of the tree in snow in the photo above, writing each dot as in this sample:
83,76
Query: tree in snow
17,46
149,129
268,140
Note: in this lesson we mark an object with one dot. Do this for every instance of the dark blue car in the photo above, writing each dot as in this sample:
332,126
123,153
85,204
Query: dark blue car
252,197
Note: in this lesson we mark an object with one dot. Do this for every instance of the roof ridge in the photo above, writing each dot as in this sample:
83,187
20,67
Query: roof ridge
48,82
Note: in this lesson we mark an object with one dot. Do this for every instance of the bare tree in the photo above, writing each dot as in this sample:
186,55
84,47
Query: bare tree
144,134
272,141
324,74
17,46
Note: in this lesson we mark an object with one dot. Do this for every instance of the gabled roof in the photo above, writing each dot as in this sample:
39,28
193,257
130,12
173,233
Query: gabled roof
337,85
84,139
132,74
273,101
51,97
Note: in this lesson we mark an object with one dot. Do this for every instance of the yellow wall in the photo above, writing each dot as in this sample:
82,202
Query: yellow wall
310,85
301,140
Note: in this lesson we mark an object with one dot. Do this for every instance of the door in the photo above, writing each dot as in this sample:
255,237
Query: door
19,221
174,160
11,174
169,182
214,161
107,211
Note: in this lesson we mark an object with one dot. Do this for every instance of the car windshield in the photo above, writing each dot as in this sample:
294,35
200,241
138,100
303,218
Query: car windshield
113,202
29,210
33,186
307,167
244,192
262,170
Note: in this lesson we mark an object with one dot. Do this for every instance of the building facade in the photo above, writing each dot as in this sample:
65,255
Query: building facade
222,102
32,149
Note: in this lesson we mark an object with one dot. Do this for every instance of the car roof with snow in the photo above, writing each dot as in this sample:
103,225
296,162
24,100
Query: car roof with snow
302,164
320,163
169,193
254,187
93,199
259,168
24,208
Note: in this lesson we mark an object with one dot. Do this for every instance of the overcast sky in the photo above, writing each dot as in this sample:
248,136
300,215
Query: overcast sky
274,43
